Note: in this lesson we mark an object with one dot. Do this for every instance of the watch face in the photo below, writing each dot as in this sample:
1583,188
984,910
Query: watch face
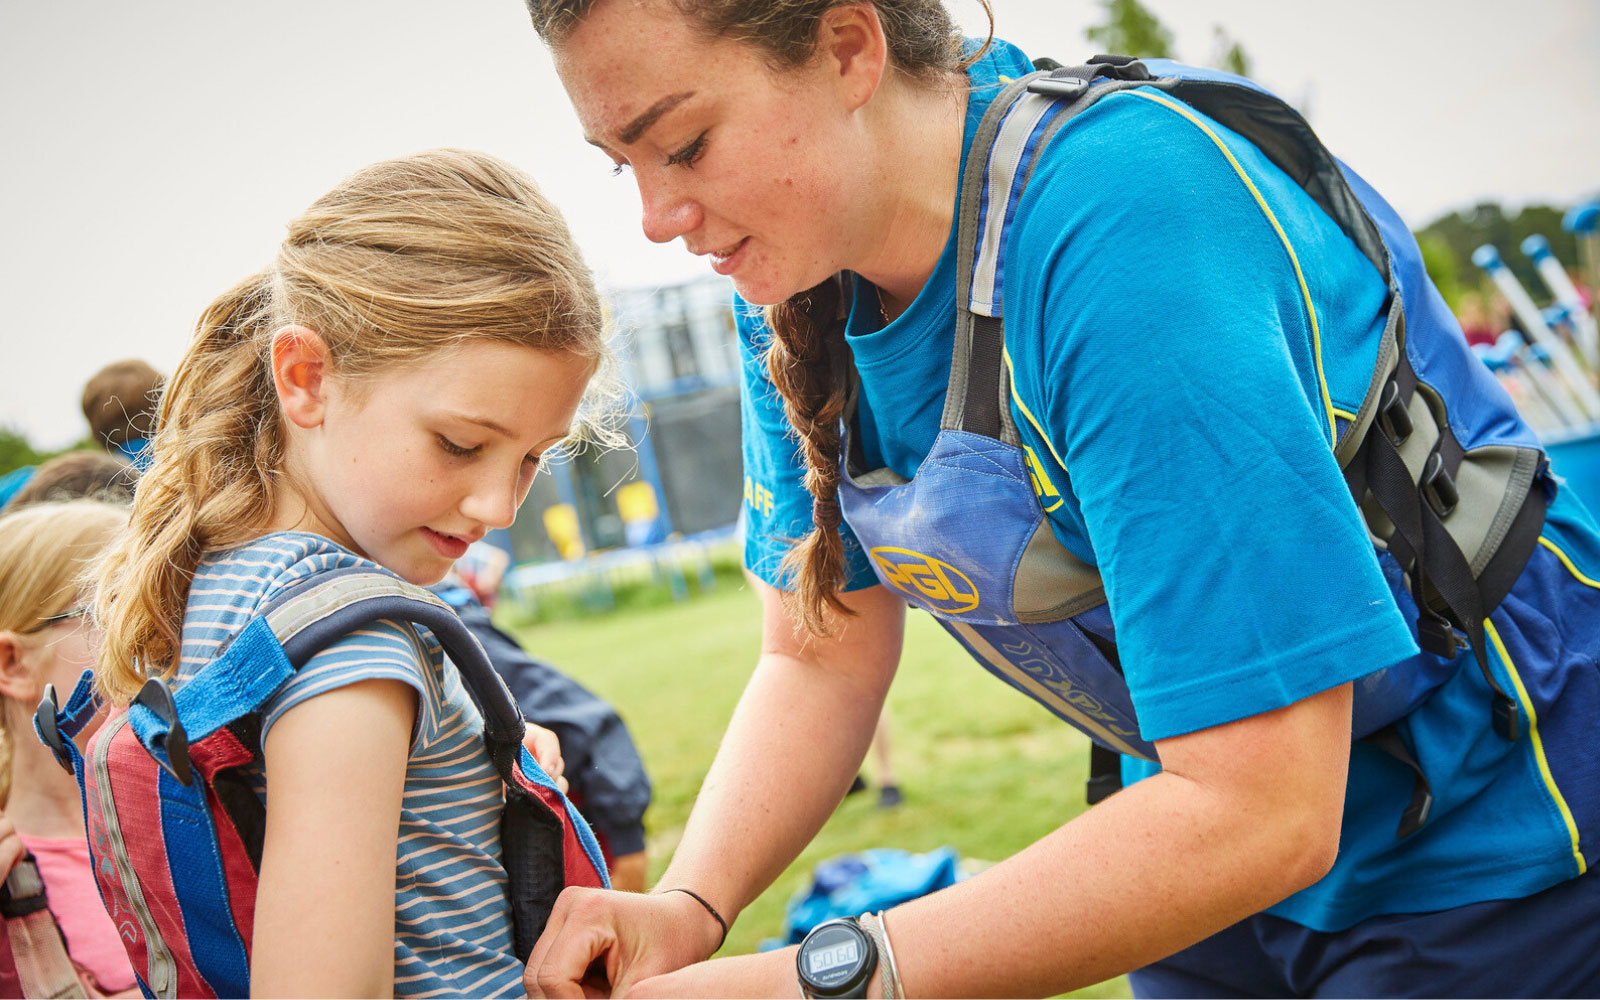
836,958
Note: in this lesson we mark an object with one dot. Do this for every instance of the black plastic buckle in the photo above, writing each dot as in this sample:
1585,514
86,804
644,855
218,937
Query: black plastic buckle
157,697
1507,718
1437,486
1436,635
1417,810
1129,67
1392,414
1058,86
47,719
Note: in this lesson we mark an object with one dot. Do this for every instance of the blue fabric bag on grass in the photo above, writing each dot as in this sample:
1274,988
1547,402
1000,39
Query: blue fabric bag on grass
851,884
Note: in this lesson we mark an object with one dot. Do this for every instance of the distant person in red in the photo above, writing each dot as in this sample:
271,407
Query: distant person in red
1475,321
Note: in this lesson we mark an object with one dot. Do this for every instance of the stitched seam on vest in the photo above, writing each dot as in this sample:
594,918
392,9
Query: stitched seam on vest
1538,744
1311,312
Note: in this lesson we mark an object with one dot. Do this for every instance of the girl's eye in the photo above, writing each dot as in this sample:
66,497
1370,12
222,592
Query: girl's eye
688,154
455,449
618,169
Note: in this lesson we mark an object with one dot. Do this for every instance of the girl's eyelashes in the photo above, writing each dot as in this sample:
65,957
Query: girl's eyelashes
455,449
690,153
618,169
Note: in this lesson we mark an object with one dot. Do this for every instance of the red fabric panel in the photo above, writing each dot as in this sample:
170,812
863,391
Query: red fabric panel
10,979
136,792
105,869
575,860
219,750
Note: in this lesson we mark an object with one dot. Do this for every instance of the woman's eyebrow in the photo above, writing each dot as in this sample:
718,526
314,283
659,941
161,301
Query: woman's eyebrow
636,128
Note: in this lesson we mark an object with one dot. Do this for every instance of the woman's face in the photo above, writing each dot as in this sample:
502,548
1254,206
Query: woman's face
747,164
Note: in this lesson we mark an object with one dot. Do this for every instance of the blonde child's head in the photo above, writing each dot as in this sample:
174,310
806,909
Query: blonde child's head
426,330
46,550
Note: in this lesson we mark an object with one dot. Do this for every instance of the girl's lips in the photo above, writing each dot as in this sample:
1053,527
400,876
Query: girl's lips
449,546
727,265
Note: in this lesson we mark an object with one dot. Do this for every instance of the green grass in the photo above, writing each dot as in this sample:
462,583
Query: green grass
983,769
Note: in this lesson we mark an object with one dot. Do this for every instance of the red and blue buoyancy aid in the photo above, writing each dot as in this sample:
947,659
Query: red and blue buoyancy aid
175,831
1452,484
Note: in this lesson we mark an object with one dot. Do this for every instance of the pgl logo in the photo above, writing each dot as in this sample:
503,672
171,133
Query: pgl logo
926,579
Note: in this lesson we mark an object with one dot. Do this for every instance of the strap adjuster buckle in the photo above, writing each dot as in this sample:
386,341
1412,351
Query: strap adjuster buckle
1392,414
1437,486
1436,635
47,719
157,697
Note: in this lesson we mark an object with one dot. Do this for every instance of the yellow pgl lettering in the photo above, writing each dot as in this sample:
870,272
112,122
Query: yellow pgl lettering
1043,488
931,580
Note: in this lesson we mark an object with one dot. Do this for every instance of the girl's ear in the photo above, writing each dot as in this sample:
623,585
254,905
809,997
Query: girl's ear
16,674
299,373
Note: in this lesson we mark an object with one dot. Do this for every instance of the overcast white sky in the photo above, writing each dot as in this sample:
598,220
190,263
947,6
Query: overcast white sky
154,149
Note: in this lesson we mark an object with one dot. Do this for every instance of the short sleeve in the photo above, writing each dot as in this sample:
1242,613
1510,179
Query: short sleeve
385,650
777,506
1174,372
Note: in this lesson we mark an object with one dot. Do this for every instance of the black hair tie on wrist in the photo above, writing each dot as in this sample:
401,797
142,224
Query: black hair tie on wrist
709,909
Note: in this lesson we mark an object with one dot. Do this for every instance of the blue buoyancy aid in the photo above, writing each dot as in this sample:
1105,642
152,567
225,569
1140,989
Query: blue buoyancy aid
1452,484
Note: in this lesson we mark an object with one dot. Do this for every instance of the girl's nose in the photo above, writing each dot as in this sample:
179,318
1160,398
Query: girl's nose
492,504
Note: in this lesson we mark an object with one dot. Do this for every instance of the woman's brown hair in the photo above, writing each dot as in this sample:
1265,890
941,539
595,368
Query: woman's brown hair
806,359
402,259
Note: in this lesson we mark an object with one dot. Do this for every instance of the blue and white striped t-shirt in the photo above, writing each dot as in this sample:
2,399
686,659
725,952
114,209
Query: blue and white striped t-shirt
452,917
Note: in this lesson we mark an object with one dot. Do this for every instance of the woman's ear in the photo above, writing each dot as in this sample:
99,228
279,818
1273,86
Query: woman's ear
300,374
16,673
850,38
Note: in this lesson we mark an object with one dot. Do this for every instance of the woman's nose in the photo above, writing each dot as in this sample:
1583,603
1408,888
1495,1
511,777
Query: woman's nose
667,211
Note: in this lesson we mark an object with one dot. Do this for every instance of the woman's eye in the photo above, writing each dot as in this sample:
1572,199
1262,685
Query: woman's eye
455,449
688,154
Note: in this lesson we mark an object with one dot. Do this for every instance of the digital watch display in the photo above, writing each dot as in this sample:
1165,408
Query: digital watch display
837,959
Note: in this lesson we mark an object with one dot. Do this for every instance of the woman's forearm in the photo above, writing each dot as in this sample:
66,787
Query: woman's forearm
1151,870
797,737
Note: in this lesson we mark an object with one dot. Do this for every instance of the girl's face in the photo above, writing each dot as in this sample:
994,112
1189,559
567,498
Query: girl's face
748,165
411,466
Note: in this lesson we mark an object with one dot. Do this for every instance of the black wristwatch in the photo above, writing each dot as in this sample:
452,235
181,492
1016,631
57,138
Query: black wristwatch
837,959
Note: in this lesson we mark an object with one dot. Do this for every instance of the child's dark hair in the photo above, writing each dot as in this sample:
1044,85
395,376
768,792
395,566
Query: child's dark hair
119,402
402,259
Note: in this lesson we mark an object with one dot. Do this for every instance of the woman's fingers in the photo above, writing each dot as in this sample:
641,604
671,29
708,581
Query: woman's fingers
578,933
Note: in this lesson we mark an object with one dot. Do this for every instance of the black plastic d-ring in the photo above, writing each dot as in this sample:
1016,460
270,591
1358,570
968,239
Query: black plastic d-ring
47,720
157,697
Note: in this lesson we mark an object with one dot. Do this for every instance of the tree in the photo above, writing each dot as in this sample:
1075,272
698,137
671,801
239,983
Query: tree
1131,30
1464,232
16,451
1227,54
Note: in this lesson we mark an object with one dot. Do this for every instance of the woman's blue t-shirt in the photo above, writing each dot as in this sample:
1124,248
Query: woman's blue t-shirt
1186,328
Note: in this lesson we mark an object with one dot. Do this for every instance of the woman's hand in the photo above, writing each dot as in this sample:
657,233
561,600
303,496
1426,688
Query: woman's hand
769,974
604,943
546,749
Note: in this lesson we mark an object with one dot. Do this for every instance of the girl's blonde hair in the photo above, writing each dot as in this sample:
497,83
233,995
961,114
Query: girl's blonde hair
46,551
403,258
